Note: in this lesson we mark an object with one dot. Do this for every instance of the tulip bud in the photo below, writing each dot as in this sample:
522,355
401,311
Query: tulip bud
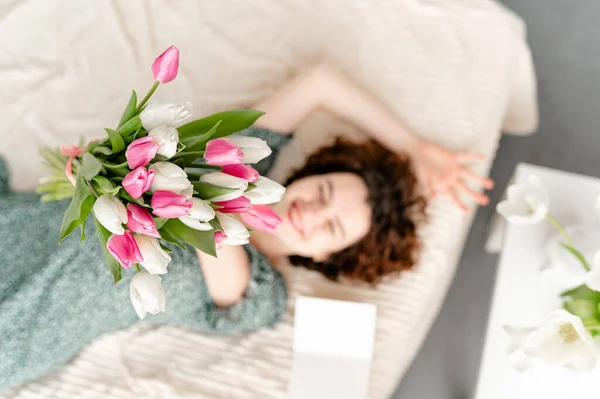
140,221
156,259
141,151
254,149
235,231
223,180
238,205
164,114
147,294
167,204
199,215
166,65
110,213
167,138
170,177
266,192
242,171
220,238
222,152
138,181
124,249
261,218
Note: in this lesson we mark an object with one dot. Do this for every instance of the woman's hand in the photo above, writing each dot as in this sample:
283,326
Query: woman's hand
444,172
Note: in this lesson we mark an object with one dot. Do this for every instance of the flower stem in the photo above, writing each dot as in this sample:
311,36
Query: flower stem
145,99
560,229
113,166
139,269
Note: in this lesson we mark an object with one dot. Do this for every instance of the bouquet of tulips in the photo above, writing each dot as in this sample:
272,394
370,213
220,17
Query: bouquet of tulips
153,180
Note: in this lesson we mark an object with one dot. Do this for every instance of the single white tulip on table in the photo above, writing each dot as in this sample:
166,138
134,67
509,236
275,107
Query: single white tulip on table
200,214
266,192
224,180
236,232
167,138
170,177
561,341
147,294
526,203
110,213
165,114
253,148
156,260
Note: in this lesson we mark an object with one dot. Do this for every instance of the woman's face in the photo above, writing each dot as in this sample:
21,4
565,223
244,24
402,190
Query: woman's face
323,214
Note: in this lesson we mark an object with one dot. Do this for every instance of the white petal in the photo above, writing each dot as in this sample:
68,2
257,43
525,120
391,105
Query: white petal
156,260
592,278
201,210
517,337
138,306
195,223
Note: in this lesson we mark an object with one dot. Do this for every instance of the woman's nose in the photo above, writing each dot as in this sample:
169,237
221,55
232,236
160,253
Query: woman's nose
315,214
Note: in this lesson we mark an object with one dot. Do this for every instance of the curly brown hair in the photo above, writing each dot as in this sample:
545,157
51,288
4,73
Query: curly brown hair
391,245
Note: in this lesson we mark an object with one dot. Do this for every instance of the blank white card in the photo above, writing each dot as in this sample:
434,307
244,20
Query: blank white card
333,348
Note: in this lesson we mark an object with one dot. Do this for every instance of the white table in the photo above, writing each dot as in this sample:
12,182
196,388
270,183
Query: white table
523,297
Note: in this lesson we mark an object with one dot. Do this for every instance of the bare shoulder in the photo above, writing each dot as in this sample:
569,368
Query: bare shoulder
227,276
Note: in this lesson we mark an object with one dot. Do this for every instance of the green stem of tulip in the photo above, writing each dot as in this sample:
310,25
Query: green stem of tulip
560,229
145,99
139,269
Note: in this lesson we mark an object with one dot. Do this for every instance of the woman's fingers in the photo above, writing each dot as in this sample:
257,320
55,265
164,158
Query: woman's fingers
454,197
485,182
468,157
480,198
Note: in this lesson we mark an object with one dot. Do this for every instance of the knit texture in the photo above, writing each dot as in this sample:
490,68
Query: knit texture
55,300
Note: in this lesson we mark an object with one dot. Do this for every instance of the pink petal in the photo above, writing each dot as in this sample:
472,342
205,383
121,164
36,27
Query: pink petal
141,151
166,65
261,218
242,171
222,152
238,205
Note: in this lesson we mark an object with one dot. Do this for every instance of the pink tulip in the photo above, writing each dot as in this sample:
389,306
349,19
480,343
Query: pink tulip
141,151
220,238
242,171
166,65
124,249
138,181
167,204
140,221
222,152
238,205
261,218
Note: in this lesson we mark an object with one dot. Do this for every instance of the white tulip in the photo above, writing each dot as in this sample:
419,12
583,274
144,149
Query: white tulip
592,278
224,180
167,138
236,232
164,114
147,294
199,216
266,192
155,258
527,203
560,341
254,149
170,177
110,213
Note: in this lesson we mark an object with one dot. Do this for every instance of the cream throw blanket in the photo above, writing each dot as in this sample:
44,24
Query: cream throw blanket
457,71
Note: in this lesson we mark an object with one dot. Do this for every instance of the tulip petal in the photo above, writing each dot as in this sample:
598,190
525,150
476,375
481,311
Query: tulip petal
166,65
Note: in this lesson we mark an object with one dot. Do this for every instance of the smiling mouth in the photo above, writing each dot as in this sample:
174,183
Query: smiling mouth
294,217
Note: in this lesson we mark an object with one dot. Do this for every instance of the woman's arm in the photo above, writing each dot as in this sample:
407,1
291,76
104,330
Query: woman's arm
325,88
227,276
440,170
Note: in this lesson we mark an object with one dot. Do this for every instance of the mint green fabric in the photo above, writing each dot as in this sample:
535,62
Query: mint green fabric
55,300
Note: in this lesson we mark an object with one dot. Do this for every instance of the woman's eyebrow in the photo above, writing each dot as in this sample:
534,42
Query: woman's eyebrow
330,190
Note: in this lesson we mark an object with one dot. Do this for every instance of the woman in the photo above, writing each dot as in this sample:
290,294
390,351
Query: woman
350,212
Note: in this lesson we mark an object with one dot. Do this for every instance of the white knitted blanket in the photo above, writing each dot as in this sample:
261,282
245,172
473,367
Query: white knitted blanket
457,71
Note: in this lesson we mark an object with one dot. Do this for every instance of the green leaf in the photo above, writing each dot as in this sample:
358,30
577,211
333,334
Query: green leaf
582,292
90,166
203,240
166,236
129,110
78,210
160,222
104,186
232,121
165,248
102,150
125,195
583,308
577,255
198,143
113,265
251,186
130,126
208,191
116,140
